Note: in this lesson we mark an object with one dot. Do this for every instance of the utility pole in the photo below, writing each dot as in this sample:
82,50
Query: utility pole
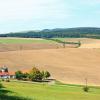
86,82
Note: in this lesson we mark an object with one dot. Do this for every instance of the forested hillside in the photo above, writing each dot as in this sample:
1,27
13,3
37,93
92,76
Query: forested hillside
87,32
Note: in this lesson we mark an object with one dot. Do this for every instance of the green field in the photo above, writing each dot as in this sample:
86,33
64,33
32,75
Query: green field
16,40
20,91
30,40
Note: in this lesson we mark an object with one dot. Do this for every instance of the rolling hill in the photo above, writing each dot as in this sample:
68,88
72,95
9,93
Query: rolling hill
68,65
79,32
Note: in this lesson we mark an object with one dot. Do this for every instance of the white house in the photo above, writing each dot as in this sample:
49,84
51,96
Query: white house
5,74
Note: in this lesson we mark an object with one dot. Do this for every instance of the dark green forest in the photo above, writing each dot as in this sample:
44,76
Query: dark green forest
81,32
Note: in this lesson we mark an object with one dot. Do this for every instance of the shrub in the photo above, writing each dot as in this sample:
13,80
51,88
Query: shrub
25,79
19,75
7,80
47,74
25,75
2,79
86,89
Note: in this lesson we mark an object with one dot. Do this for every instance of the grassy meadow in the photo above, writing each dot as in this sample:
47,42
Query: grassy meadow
36,91
24,40
30,40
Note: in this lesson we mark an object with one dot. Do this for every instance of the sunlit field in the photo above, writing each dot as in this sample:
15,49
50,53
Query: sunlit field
37,91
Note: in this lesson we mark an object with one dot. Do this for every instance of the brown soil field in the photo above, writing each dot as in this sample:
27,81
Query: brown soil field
71,65
27,46
33,46
68,65
86,42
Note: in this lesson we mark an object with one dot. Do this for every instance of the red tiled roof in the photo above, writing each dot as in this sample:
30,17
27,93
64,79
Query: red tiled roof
4,73
12,73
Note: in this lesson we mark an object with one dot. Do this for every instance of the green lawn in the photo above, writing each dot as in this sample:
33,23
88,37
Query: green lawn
48,92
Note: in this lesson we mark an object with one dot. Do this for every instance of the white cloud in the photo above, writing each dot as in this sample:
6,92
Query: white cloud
31,9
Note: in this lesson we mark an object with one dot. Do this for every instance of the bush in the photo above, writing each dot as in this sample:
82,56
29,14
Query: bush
19,75
2,79
25,75
25,79
47,74
7,80
86,89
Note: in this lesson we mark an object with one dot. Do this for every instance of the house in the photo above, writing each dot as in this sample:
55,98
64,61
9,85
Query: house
5,74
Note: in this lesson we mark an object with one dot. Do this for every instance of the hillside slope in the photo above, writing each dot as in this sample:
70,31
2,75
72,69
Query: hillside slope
85,42
66,65
91,32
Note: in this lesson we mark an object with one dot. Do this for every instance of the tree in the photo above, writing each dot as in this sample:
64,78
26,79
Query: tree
6,69
35,74
45,74
25,75
19,75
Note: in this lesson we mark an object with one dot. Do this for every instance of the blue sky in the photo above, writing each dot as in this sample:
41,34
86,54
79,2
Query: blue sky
22,15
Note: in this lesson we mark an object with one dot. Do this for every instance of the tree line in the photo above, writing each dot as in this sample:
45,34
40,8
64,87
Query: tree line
34,75
83,32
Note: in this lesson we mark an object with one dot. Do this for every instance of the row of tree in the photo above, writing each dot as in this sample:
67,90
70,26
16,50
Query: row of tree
34,75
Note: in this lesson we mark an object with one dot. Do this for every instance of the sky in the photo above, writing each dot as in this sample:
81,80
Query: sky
24,15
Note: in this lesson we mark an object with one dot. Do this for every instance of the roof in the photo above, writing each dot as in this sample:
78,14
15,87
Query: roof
12,73
7,73
4,73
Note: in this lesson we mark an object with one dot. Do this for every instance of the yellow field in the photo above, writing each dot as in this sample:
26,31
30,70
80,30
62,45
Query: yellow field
86,42
69,65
